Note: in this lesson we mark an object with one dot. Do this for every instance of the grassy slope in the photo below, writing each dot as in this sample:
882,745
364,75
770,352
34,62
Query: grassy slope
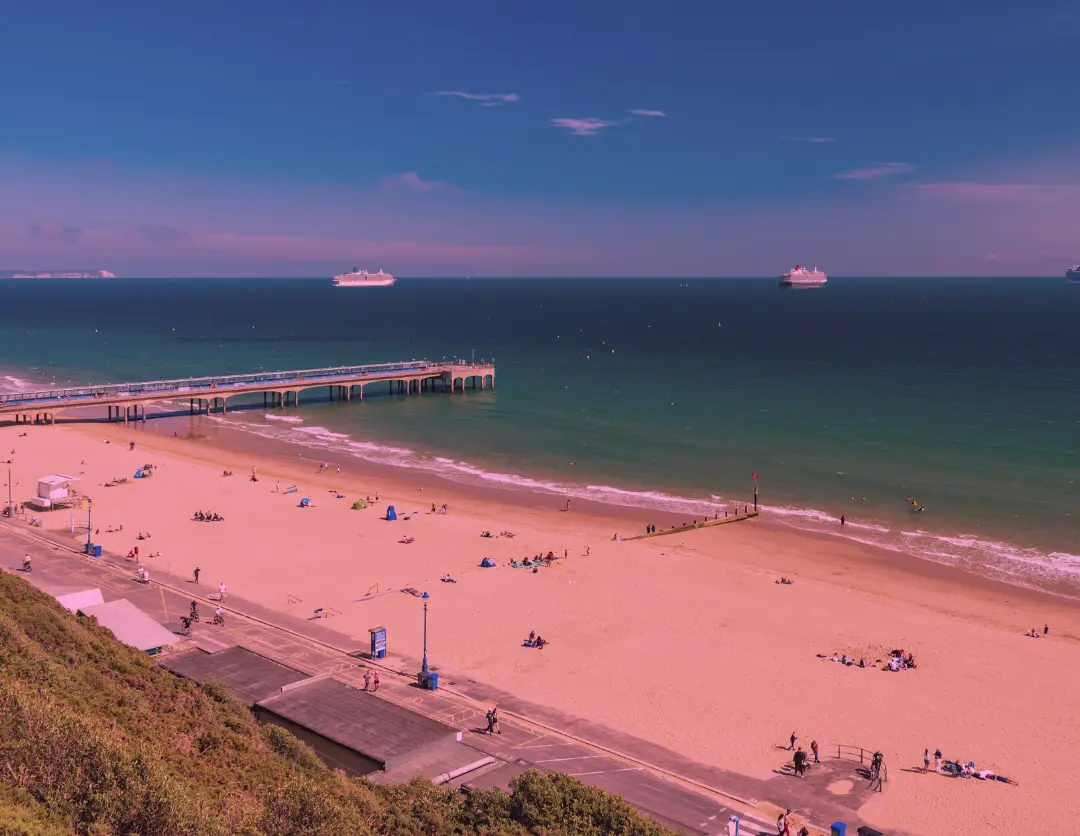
97,739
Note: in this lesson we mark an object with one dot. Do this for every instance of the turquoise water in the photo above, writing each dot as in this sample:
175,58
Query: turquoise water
961,392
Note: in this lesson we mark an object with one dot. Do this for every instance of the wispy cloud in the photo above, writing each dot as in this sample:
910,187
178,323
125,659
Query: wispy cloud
585,127
50,230
486,99
876,172
412,180
974,192
813,139
648,113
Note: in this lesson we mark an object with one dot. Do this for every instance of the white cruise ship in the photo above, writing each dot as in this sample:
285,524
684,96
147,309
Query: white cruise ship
1073,273
801,277
362,278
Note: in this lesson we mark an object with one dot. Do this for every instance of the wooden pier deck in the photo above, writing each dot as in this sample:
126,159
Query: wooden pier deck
128,401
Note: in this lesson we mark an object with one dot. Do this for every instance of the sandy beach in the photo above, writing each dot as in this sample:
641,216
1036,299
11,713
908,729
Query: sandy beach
685,640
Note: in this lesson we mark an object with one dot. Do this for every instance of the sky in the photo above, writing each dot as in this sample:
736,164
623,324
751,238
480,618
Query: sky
557,139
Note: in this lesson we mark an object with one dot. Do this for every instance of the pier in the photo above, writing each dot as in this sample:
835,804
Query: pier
128,401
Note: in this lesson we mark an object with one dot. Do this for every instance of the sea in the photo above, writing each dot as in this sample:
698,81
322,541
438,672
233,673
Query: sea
854,399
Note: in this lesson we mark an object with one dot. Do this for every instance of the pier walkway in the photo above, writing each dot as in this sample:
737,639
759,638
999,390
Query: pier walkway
128,401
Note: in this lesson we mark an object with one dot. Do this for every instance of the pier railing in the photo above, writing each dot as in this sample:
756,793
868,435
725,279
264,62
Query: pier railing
186,387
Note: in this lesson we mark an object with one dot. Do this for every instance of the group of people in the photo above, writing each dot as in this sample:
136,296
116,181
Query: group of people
535,560
207,516
371,681
960,770
900,661
1034,633
193,616
785,581
534,641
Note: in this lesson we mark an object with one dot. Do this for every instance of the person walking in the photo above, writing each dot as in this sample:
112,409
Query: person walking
783,827
800,762
221,592
493,721
196,573
793,739
937,761
843,520
367,680
375,680
813,748
925,760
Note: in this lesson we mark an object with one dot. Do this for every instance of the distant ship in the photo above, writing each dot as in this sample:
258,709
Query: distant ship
362,278
1073,273
801,277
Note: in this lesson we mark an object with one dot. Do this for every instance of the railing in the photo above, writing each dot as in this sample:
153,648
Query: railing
846,751
186,386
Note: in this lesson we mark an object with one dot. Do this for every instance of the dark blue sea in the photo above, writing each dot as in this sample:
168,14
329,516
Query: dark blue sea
961,393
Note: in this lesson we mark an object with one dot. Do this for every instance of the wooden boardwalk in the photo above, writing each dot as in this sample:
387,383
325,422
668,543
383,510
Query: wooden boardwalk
128,401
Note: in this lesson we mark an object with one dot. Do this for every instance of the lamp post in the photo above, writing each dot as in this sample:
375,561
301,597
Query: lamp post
424,668
89,504
755,490
9,512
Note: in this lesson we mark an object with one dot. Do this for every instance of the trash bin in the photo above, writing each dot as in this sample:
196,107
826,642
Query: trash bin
97,551
428,681
839,829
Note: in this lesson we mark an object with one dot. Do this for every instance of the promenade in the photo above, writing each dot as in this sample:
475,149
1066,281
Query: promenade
128,401
681,794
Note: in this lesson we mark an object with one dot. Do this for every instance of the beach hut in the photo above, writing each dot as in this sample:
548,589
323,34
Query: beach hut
53,488
391,514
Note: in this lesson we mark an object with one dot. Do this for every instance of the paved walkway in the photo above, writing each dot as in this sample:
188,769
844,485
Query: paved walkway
678,792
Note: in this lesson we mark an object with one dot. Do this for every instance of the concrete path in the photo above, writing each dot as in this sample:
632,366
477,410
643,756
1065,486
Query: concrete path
674,790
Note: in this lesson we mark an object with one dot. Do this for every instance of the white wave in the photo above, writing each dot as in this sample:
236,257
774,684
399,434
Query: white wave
288,419
10,383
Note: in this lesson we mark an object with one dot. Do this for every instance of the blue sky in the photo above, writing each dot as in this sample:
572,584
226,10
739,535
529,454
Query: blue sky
283,137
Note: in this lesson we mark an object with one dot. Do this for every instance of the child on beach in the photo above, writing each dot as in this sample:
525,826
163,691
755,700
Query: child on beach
367,680
375,681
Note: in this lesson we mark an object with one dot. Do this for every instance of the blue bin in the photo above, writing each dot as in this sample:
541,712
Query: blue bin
839,829
97,551
428,681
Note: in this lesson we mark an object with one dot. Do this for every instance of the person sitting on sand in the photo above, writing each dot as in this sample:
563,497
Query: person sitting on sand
447,579
540,642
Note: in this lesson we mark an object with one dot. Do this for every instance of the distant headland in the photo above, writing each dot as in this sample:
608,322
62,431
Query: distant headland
61,274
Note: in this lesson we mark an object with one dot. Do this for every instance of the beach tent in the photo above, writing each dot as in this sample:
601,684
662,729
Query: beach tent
305,502
359,505
138,474
487,563
391,514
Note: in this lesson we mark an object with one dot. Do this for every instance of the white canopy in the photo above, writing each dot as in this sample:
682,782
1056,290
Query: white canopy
130,624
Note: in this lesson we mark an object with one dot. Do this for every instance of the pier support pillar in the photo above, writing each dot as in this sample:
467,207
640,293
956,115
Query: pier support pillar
127,414
224,406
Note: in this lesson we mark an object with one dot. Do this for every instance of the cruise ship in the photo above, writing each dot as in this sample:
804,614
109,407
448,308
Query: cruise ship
1073,273
362,278
801,277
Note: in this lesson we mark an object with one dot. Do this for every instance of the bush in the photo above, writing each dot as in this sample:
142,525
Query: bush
99,740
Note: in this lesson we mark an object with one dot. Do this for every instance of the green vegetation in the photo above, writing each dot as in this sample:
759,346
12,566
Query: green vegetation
96,739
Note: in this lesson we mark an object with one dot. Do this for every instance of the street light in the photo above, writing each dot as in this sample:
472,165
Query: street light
424,669
89,503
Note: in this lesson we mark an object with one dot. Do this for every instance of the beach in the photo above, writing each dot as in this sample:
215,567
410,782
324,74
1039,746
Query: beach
685,640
